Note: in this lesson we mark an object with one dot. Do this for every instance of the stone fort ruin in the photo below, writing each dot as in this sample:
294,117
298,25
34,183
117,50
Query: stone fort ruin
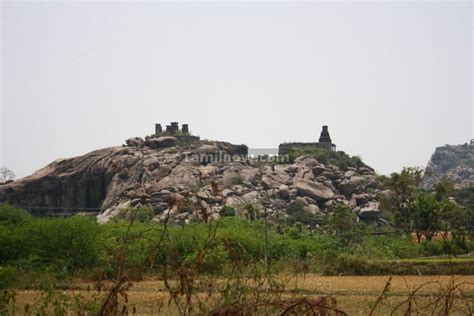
172,129
325,142
183,135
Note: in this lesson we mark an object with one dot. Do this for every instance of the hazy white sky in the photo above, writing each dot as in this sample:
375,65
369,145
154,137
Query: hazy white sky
393,80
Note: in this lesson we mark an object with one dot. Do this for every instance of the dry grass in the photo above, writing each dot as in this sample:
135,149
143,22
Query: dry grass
374,284
355,294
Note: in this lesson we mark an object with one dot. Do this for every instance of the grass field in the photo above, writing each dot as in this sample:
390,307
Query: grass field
355,294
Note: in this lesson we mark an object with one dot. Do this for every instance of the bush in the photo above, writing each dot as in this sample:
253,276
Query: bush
214,260
431,248
252,212
12,215
69,243
324,156
297,214
57,248
132,241
351,265
388,247
12,244
145,214
243,236
7,276
227,210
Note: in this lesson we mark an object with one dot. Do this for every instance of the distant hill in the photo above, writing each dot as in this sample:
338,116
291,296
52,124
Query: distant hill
187,179
454,162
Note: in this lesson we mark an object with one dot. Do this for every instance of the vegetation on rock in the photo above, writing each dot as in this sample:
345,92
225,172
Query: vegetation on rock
454,162
327,157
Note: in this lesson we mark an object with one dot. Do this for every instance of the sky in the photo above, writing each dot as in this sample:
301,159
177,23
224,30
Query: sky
393,80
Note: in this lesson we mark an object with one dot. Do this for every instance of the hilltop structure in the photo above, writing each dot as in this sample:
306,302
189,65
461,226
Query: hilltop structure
167,173
172,129
325,142
182,135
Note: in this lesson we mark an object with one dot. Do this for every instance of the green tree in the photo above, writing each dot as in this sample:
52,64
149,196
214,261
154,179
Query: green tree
465,197
405,187
454,220
343,223
426,215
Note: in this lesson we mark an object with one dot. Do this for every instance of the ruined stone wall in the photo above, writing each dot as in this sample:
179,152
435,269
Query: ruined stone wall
284,148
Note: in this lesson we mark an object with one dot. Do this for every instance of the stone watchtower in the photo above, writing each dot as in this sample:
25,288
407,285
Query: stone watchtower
158,129
185,129
174,127
325,140
325,137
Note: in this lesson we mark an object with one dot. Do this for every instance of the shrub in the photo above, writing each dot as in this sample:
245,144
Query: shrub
7,276
12,215
133,241
145,214
297,214
252,212
227,210
388,247
60,247
244,236
431,248
69,243
12,244
214,260
344,264
324,156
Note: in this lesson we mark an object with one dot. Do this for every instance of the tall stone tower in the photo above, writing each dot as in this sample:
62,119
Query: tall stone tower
185,129
325,137
174,127
158,129
325,140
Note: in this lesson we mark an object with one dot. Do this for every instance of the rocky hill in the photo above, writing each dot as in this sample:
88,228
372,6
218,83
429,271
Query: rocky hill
454,162
191,181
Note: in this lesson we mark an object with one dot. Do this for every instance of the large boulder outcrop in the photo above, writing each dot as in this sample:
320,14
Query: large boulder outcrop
74,184
134,142
357,184
369,212
161,142
453,162
314,190
274,179
167,177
